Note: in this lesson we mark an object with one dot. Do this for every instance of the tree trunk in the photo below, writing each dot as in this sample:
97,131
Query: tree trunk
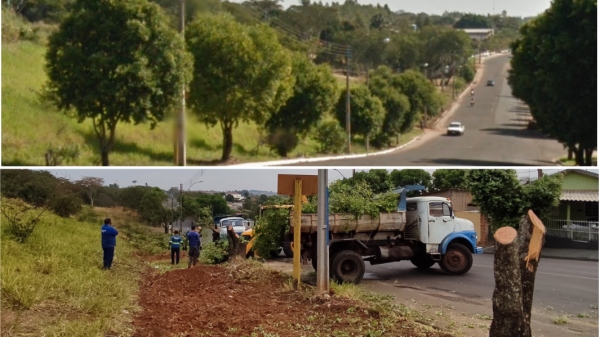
570,153
227,140
507,306
579,156
104,153
232,237
527,276
367,142
588,157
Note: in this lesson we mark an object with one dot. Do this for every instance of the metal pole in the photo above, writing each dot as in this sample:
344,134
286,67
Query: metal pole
322,249
181,210
297,224
348,100
180,155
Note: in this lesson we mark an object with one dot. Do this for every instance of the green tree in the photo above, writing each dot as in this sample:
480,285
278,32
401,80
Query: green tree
421,94
394,102
472,21
450,178
151,207
130,197
241,73
378,180
411,177
367,112
315,94
229,198
502,198
214,202
330,136
553,70
116,61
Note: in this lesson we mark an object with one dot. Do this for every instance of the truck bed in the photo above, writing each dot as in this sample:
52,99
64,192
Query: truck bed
344,223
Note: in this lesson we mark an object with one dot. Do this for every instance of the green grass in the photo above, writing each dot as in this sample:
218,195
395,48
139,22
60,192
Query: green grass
571,162
30,127
53,284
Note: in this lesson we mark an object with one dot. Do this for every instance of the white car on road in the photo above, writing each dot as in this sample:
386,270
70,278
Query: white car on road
455,128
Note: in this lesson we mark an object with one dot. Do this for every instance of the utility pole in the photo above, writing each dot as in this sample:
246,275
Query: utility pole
348,99
322,233
181,210
180,153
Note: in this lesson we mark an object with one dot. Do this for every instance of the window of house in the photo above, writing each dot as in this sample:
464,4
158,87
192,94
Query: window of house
591,210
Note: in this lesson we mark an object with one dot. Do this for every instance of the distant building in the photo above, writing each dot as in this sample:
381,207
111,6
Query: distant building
236,196
479,34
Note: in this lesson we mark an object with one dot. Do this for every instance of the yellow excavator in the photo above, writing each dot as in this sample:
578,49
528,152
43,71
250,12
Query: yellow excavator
287,246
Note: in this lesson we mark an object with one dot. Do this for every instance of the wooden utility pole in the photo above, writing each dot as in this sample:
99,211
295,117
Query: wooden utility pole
348,130
180,153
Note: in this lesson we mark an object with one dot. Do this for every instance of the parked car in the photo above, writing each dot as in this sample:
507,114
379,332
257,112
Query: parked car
491,83
238,225
455,128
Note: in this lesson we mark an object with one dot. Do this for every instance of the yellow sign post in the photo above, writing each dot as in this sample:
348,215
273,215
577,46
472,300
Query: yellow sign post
298,186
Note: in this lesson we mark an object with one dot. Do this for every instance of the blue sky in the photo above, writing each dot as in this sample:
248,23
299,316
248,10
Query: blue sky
512,7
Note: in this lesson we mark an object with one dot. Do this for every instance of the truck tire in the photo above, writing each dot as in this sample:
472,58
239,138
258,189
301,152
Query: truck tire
347,267
313,261
457,260
422,261
287,248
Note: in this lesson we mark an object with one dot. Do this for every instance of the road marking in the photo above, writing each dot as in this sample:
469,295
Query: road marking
546,273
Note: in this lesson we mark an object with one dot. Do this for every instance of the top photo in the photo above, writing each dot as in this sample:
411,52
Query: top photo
299,83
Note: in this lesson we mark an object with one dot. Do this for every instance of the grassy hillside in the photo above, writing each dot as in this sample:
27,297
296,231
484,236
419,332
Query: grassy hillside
53,284
31,127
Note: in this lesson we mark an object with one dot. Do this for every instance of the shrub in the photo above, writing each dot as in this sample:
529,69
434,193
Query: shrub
212,253
14,27
468,73
269,230
331,137
282,142
66,205
21,218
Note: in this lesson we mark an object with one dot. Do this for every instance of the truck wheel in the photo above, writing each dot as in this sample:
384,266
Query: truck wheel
348,267
422,261
313,261
287,248
457,260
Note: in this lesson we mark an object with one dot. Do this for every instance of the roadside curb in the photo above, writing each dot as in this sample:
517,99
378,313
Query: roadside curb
317,159
364,155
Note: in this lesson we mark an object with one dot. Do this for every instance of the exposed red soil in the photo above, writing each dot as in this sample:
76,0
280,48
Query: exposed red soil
217,301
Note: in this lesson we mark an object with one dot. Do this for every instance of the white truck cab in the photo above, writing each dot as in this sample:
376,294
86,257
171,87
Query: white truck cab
438,226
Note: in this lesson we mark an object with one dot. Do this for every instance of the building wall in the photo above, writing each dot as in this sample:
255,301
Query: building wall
460,199
473,217
576,181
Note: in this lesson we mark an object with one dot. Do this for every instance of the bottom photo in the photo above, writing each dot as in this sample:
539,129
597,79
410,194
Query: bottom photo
299,252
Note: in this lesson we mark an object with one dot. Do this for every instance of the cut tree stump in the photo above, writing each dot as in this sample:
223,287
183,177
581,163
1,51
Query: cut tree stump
515,264
531,233
507,299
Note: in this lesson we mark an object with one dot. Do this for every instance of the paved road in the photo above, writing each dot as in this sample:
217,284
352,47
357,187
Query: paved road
562,288
495,133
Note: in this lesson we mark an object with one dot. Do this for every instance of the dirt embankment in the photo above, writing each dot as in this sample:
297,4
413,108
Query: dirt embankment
225,301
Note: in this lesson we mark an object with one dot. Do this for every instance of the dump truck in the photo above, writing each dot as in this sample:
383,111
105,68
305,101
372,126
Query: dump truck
423,230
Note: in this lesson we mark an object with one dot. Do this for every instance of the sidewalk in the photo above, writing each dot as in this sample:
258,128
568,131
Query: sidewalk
558,253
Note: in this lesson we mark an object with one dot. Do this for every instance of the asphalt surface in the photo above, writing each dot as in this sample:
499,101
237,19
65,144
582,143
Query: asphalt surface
562,288
495,133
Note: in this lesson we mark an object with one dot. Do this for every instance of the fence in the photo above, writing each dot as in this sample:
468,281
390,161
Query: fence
576,230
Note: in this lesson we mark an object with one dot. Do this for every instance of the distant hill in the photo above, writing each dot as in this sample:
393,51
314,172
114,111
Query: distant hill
257,192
